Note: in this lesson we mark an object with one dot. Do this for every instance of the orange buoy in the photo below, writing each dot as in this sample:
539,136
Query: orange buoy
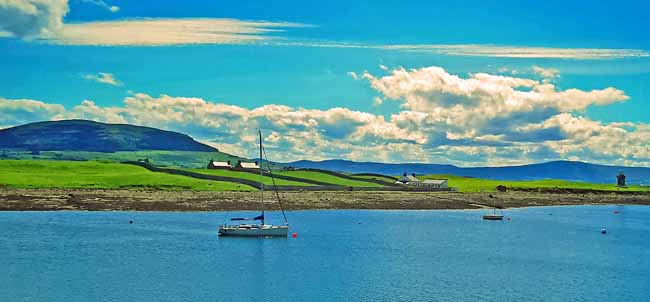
294,235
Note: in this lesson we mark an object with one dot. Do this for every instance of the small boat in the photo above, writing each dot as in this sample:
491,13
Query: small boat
494,215
253,229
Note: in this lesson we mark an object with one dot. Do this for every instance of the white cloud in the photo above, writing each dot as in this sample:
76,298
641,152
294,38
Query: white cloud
31,19
505,51
547,73
157,32
481,119
483,101
486,50
103,77
42,20
21,111
103,4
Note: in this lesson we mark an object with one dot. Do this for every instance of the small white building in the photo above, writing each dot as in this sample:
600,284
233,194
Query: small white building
412,181
216,165
248,166
435,183
408,179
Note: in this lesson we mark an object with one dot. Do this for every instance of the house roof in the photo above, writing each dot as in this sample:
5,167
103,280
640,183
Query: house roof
435,181
220,164
408,178
250,165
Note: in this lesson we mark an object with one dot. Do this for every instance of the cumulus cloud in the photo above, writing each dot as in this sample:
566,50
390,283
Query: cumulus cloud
499,119
30,19
482,103
21,111
104,78
479,119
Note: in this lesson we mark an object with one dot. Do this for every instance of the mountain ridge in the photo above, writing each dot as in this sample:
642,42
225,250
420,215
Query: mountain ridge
85,135
560,169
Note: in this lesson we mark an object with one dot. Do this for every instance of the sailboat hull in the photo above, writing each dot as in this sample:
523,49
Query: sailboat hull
493,217
254,231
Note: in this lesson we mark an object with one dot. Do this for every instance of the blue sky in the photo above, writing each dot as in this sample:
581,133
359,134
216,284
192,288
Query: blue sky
375,80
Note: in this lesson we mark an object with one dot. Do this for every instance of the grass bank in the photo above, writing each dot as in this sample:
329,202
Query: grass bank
469,184
328,178
99,175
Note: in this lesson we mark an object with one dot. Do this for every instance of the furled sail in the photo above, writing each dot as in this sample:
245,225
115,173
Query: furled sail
261,217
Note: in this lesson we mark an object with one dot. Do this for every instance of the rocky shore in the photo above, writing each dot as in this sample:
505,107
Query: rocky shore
161,200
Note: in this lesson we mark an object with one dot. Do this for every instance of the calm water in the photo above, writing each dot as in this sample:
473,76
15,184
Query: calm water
542,254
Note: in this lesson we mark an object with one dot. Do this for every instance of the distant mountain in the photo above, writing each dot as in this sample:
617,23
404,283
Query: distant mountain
83,135
566,170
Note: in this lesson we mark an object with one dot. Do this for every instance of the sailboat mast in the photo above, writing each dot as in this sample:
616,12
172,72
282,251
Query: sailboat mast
261,177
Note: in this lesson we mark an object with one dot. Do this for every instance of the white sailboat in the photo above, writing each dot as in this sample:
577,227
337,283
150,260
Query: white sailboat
262,229
494,215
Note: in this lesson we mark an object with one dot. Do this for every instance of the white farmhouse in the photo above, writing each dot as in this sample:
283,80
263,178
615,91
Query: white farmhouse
435,183
247,165
412,181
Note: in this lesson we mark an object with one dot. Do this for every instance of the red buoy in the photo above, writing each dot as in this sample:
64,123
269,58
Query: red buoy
294,235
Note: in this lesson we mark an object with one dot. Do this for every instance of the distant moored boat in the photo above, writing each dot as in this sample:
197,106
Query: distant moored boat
494,215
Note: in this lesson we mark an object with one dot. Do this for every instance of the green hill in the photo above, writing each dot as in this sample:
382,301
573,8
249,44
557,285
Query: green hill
83,135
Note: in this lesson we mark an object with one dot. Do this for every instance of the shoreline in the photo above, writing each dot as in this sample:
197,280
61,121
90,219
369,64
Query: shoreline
162,200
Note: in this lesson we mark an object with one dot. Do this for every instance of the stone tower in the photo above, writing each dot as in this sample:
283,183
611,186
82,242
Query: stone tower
620,179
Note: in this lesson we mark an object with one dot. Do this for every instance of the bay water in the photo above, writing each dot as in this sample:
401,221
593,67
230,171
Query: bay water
540,254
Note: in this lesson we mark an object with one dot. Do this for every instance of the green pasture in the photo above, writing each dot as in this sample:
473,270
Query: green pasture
95,174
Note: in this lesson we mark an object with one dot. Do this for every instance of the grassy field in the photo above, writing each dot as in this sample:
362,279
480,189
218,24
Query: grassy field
185,159
331,179
111,175
385,179
94,174
467,184
250,176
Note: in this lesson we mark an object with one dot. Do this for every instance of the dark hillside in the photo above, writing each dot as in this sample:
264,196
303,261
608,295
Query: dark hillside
83,135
